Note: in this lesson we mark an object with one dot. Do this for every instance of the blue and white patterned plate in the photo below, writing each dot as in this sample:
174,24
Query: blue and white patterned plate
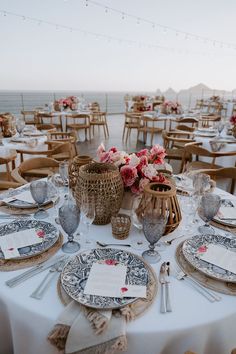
48,232
192,246
76,272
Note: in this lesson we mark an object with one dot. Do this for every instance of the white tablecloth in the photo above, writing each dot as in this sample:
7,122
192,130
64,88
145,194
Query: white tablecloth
195,323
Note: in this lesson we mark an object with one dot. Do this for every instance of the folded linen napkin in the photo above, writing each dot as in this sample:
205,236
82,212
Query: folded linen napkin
82,330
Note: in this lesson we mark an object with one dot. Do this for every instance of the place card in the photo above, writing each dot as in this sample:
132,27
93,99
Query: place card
12,242
219,256
106,279
134,291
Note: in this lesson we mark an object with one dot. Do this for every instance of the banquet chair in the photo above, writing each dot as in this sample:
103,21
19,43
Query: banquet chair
60,152
223,173
170,139
50,118
132,122
30,117
199,152
150,126
190,122
54,137
99,119
95,107
34,168
207,121
5,185
46,127
6,161
80,122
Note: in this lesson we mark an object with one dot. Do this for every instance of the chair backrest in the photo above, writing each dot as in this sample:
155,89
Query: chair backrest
223,173
174,137
48,127
5,185
95,107
61,136
33,164
185,128
197,150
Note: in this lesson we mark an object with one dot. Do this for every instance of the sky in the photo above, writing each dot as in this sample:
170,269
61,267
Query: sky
38,56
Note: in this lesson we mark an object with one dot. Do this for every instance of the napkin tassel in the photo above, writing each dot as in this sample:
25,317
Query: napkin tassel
118,344
58,336
98,322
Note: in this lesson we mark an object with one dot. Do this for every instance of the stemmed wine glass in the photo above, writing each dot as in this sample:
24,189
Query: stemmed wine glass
39,192
87,217
153,227
64,173
20,124
220,127
209,207
69,216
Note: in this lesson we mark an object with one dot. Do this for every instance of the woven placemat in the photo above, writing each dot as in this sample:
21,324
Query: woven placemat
213,284
20,211
137,307
11,264
220,226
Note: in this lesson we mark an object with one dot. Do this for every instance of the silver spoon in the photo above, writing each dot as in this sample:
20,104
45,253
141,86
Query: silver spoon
101,244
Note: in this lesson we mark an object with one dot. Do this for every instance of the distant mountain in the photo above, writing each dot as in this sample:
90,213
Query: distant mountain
158,92
197,89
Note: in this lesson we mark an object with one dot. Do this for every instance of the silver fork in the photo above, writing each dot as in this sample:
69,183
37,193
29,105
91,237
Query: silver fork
201,289
39,292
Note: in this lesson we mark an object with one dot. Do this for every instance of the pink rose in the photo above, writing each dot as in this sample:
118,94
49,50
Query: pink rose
135,188
128,174
143,162
113,149
40,233
202,249
100,149
111,262
143,152
158,154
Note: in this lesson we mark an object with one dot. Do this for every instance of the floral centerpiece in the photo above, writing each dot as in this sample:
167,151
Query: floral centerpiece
233,122
170,107
136,169
70,102
214,98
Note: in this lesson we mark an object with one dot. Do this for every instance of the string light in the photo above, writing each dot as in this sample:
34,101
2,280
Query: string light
139,19
98,35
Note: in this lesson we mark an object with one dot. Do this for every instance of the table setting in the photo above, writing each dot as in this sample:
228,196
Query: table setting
75,296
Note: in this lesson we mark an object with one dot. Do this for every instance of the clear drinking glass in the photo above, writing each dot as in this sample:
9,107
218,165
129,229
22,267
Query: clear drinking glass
39,192
153,228
220,127
87,217
209,207
69,216
138,242
64,174
20,124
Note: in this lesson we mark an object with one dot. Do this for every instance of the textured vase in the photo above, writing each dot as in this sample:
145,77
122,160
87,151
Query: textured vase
74,167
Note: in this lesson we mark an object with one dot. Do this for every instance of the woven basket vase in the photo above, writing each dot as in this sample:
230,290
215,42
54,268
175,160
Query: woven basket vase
74,167
162,198
100,183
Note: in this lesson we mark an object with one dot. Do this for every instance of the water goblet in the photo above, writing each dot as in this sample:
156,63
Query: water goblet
39,192
209,207
69,216
20,124
153,228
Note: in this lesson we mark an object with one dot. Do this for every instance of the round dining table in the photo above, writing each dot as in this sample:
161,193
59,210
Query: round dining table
194,323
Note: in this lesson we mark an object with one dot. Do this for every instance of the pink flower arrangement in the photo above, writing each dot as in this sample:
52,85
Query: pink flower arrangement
173,107
136,169
68,102
233,119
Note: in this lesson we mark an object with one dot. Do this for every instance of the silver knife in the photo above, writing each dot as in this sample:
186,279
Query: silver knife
168,305
162,282
36,270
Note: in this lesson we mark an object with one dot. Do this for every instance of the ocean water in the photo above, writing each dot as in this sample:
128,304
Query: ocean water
111,102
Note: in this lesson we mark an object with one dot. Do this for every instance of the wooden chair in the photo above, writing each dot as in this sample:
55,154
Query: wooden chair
170,140
223,173
30,117
46,127
196,150
7,160
35,168
5,185
60,152
63,137
132,122
150,126
207,121
99,119
95,107
50,118
190,122
80,122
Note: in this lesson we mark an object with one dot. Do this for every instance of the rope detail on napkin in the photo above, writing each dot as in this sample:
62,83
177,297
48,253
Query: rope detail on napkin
82,330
